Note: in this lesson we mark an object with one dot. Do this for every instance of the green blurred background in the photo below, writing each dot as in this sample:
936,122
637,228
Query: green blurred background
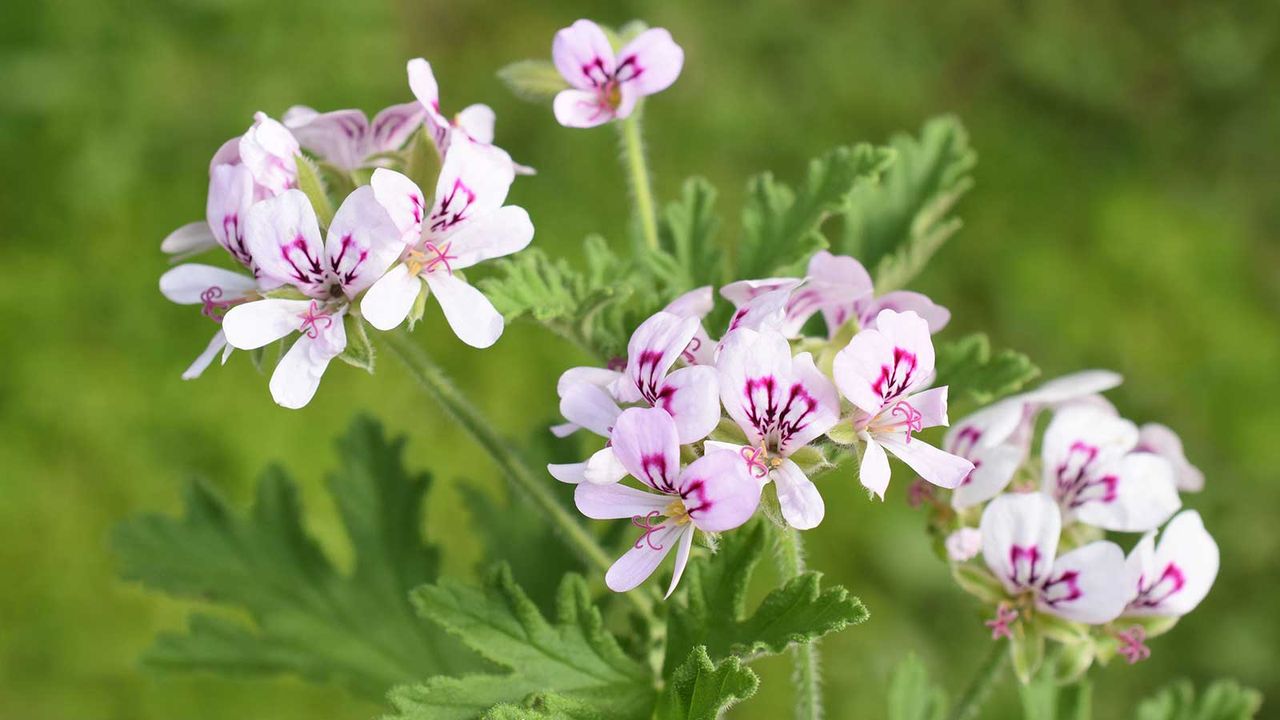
1126,215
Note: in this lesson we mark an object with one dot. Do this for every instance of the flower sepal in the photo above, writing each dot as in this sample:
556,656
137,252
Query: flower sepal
359,350
844,433
811,459
1071,662
422,163
978,582
1152,625
313,186
1026,650
419,307
1061,630
286,292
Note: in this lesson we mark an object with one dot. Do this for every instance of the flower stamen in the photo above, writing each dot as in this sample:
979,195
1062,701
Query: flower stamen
1133,644
755,458
312,319
646,523
911,417
1005,615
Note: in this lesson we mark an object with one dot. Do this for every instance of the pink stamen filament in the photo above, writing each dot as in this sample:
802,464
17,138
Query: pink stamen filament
912,418
1133,644
690,349
755,458
1005,616
213,307
646,523
312,319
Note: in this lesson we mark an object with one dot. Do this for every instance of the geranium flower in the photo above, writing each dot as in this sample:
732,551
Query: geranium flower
1160,440
346,139
1092,471
884,372
467,224
714,493
1172,577
216,290
1020,545
608,86
475,122
284,237
782,403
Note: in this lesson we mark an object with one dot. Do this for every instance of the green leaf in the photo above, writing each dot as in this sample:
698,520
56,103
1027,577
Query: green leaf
977,375
713,613
1223,700
575,660
702,690
912,696
359,351
1026,651
423,164
310,182
305,617
978,582
689,256
1044,698
780,226
896,226
533,80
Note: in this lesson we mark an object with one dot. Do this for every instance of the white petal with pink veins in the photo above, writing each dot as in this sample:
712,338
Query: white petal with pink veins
230,197
269,151
718,491
644,557
742,292
801,503
604,468
473,182
889,362
583,55
651,62
393,127
362,242
653,348
815,408
874,473
477,122
473,318
284,238
253,325
402,199
581,109
1078,443
645,442
611,502
936,466
297,376
1160,440
188,239
496,234
590,406
691,396
216,345
1087,584
1174,576
422,82
1135,494
339,137
1020,538
187,284
388,301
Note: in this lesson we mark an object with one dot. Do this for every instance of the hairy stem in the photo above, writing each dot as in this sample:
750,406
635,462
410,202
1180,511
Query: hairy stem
637,166
529,484
980,685
807,673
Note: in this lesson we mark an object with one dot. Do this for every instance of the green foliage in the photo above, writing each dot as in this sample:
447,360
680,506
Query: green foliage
689,256
968,365
1223,700
912,696
573,663
310,182
423,163
1046,698
359,351
713,613
357,630
780,225
894,227
533,80
702,690
596,308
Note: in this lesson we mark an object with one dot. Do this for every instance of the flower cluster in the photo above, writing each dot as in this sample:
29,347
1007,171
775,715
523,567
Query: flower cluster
1043,559
311,276
707,425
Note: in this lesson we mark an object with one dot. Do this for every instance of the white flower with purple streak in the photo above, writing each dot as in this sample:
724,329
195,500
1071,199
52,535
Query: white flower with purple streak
713,494
606,85
1172,576
884,372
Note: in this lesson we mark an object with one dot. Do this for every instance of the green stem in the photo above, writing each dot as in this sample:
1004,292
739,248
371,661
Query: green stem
532,485
981,683
638,177
807,673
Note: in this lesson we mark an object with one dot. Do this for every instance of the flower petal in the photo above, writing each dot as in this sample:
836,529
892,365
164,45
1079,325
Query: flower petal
1087,584
691,396
698,303
216,345
993,470
230,196
801,503
270,153
646,443
402,199
186,284
653,348
881,365
682,560
1160,440
583,55
900,301
571,473
591,407
473,318
650,62
586,375
936,466
1135,494
297,376
718,491
842,271
388,301
189,239
604,468
614,501
284,239
422,82
1020,538
338,137
499,233
1177,573
362,242
393,127
253,325
932,406
874,473
477,122
581,109
1073,386
473,182
644,557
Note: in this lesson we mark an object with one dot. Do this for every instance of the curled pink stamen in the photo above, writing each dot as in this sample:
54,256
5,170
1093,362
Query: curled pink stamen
214,307
911,417
312,319
646,523
1005,615
1133,644
688,353
442,257
755,464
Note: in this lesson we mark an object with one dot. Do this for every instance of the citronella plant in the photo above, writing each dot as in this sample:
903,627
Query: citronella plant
714,426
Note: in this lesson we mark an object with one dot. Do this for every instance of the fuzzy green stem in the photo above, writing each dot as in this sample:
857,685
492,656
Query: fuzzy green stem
980,685
637,166
531,485
807,672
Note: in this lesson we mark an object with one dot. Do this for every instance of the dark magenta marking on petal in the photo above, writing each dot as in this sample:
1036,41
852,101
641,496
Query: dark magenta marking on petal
656,473
1170,582
1023,561
454,206
1064,588
777,418
1076,482
895,379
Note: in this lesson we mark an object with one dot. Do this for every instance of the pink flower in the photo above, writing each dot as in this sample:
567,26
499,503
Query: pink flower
346,139
1020,545
884,372
714,493
608,86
